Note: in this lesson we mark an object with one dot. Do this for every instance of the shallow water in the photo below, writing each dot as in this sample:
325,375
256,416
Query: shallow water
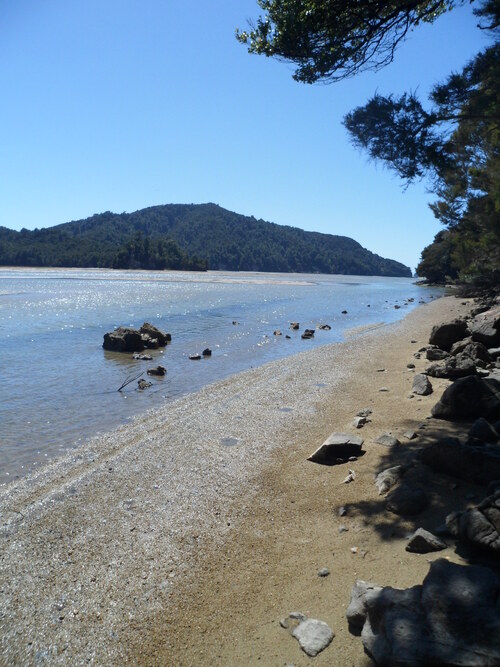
59,387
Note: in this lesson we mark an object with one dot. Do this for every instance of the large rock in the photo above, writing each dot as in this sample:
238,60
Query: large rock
123,339
486,328
434,353
444,335
388,478
152,333
313,635
479,525
421,385
338,448
468,398
480,465
453,368
451,620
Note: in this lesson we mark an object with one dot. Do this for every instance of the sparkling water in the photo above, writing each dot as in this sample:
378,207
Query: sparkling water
59,387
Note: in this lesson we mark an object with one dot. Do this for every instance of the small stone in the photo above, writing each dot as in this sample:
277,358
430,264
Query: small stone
195,357
380,370
343,529
422,542
410,435
207,352
383,389
324,572
359,422
342,510
410,365
350,477
387,440
354,550
313,636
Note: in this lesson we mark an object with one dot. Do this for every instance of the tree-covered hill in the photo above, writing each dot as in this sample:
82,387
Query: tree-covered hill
190,236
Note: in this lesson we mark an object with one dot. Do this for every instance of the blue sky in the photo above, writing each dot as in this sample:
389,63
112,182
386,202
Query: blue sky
122,104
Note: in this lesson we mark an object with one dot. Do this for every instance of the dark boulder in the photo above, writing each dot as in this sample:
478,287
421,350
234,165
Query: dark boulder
207,352
453,368
479,526
423,542
480,465
444,335
407,501
451,620
434,353
482,430
153,333
486,327
469,398
123,339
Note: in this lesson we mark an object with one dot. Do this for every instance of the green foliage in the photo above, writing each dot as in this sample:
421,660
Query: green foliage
457,144
330,40
190,236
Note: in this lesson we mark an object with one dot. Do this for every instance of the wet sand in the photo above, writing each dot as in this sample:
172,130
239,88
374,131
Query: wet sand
184,537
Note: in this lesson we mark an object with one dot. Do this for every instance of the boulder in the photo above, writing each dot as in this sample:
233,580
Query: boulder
123,339
482,430
338,448
453,368
308,333
451,620
468,398
480,465
485,328
423,542
460,345
407,501
479,526
153,333
444,335
434,353
477,352
421,385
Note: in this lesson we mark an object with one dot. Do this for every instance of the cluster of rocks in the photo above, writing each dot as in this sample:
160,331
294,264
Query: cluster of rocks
127,339
453,617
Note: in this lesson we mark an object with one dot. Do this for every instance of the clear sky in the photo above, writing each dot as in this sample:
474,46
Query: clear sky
122,104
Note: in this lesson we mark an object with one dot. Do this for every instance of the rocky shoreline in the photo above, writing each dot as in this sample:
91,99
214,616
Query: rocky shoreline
186,537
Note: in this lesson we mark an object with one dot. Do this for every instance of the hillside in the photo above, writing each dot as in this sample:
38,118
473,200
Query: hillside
190,236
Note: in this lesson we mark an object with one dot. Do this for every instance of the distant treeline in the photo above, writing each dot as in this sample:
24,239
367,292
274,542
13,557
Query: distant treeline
190,237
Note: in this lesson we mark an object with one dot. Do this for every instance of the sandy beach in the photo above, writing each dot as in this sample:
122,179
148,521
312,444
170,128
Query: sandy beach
184,537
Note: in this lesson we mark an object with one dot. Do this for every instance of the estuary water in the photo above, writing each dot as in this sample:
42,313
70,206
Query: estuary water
59,387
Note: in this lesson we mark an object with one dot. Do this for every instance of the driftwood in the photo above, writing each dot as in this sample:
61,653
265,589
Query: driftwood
131,378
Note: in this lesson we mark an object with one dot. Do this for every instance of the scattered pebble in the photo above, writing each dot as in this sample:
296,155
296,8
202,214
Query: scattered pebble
350,477
324,572
354,550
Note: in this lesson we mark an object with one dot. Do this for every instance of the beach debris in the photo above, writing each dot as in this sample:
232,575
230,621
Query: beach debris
337,448
207,352
407,500
423,542
359,422
323,572
388,478
350,477
195,356
479,525
387,440
421,385
129,380
451,619
160,371
144,384
294,326
313,635
138,356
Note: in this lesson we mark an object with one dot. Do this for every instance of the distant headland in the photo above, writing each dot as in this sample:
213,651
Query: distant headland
193,237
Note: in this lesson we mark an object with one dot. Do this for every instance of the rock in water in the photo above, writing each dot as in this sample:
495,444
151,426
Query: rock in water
421,385
155,334
337,449
451,620
423,542
160,371
123,339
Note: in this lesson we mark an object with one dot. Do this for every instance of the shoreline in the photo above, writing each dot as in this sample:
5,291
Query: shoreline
199,495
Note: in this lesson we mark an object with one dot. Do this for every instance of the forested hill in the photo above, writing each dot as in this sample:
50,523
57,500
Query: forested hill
185,236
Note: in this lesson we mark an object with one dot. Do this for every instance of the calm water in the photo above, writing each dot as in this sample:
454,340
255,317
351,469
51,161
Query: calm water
59,387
